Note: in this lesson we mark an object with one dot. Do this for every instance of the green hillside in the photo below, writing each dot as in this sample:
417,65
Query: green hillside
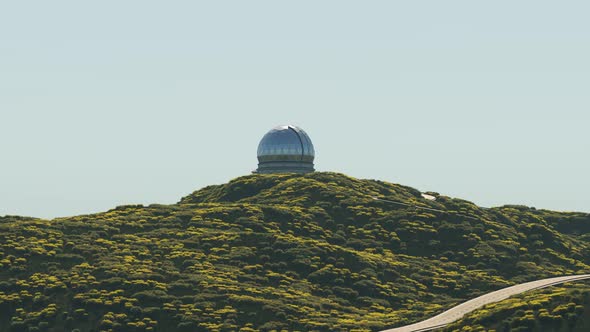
308,252
564,308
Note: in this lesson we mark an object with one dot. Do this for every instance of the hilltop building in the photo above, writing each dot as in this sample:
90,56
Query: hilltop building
285,149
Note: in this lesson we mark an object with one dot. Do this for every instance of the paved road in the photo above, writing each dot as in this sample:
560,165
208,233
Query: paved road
459,311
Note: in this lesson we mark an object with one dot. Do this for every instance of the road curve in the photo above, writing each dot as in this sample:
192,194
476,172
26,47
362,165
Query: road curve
459,311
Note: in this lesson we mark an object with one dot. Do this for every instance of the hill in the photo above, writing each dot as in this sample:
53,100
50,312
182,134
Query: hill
311,252
565,308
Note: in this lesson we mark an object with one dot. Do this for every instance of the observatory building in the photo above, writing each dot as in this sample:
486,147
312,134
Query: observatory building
285,149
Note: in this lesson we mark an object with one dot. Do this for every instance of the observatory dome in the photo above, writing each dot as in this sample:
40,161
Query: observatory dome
285,149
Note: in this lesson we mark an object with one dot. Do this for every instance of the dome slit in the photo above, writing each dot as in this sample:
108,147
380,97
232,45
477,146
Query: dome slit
300,141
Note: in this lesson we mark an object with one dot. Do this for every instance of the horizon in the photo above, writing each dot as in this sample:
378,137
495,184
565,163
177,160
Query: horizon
253,174
470,100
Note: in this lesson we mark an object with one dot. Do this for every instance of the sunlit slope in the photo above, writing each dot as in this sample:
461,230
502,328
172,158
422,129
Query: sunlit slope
263,252
565,308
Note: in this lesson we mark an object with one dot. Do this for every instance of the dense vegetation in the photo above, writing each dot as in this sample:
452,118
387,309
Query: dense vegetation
309,252
551,309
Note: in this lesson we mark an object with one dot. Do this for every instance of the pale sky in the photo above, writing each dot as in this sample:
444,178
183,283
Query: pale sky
108,103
